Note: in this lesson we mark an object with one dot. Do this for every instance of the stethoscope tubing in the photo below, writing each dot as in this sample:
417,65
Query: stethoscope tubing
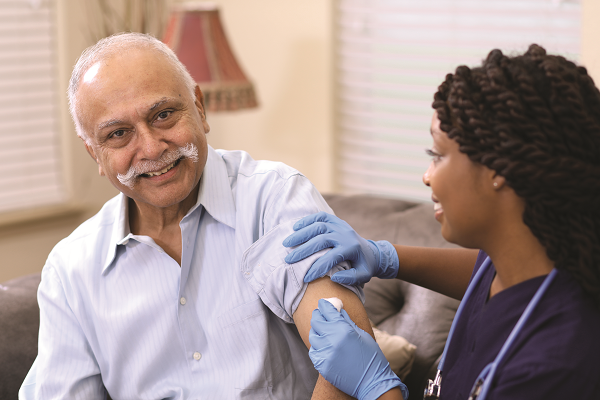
488,373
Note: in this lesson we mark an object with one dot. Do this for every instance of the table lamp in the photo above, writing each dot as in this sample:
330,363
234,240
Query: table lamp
196,35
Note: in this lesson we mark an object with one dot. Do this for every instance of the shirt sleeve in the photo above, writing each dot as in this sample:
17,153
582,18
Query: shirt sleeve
280,285
296,198
65,366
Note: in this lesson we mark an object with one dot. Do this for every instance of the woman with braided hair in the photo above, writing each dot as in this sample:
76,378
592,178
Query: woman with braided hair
515,178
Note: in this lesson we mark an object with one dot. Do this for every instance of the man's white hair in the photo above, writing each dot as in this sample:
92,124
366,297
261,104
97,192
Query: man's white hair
118,44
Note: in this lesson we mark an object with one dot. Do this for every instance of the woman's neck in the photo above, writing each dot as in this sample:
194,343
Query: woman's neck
518,256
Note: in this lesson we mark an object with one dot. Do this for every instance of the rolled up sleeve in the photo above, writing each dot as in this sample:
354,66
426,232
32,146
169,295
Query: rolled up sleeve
280,285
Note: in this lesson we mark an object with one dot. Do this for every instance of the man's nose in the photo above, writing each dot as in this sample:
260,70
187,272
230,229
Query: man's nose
152,145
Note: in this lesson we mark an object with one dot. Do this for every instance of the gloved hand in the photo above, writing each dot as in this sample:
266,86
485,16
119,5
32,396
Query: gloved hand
348,357
320,231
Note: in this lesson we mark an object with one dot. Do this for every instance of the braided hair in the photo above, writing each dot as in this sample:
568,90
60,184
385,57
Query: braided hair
535,120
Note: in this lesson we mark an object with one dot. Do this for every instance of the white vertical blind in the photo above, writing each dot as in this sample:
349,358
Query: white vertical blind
391,55
29,141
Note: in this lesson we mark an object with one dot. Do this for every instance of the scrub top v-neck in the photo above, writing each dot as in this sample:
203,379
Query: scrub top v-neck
554,357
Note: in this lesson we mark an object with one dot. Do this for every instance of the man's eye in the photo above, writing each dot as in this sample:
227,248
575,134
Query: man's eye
118,134
163,115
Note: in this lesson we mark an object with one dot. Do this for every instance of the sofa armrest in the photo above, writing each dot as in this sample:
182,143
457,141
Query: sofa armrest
20,322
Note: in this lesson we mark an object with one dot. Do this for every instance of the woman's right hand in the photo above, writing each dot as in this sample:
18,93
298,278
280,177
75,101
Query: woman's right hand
320,231
348,357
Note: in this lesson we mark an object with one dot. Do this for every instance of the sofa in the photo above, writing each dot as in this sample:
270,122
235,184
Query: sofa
419,315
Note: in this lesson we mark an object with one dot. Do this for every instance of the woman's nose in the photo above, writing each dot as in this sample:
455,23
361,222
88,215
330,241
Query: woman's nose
426,176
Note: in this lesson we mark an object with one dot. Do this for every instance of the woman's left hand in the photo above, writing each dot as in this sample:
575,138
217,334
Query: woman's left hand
348,357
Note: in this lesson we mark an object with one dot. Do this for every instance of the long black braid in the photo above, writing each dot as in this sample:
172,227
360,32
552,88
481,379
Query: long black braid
535,120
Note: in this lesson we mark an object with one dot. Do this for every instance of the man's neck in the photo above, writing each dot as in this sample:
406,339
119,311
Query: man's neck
161,223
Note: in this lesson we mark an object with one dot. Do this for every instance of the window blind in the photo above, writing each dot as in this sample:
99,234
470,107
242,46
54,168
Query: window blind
29,140
391,55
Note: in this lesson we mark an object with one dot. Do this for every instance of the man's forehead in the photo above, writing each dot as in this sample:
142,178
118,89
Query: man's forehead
127,65
91,73
137,81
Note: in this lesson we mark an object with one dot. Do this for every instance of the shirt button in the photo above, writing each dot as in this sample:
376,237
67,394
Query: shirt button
197,356
182,301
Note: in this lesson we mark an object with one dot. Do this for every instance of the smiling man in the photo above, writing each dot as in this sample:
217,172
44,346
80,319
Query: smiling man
177,287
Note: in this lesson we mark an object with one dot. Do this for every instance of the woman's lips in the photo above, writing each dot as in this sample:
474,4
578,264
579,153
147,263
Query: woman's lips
437,207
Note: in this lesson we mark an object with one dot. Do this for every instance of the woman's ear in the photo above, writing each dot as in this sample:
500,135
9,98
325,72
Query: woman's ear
498,181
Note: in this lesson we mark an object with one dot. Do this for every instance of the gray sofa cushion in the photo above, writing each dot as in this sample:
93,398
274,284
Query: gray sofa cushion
421,316
19,324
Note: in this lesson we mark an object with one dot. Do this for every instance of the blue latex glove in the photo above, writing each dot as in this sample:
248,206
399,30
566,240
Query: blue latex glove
320,231
348,357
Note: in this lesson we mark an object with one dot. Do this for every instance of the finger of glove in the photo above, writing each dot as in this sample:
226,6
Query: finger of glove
316,321
317,341
327,261
344,315
318,358
350,277
331,329
328,311
305,234
321,216
309,248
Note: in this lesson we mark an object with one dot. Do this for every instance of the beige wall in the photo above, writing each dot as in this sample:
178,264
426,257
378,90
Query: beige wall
590,38
286,49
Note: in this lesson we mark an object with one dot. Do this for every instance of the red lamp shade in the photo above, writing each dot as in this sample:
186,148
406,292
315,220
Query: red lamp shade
196,35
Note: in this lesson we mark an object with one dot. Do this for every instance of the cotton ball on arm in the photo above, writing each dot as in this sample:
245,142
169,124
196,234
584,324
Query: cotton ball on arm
337,303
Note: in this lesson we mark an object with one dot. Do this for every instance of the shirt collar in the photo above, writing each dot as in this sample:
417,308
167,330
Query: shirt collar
120,232
214,194
215,190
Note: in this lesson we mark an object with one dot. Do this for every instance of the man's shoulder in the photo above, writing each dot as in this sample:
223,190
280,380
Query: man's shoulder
92,237
268,193
240,164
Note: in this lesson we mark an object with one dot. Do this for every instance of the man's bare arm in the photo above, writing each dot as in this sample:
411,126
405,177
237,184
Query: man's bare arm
446,271
324,288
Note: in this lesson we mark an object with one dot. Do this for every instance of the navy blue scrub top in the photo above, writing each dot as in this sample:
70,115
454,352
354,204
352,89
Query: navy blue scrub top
556,356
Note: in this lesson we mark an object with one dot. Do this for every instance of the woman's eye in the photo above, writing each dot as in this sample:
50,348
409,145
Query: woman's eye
435,156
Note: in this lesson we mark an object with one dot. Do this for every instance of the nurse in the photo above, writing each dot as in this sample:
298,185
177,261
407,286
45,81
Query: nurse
515,180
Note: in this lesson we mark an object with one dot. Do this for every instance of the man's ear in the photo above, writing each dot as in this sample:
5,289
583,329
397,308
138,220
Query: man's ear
91,152
199,102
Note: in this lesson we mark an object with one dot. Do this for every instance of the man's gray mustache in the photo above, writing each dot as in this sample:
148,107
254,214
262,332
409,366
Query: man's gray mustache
188,151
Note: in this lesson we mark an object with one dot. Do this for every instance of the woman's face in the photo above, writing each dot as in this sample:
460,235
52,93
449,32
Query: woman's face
461,190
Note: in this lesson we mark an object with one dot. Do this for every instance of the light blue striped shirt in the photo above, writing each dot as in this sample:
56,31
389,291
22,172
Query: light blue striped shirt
117,312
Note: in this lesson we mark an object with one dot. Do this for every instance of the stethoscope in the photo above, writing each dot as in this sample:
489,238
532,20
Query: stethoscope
483,382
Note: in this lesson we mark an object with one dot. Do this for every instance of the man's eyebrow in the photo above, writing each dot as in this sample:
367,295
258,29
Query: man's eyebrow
108,123
160,102
152,107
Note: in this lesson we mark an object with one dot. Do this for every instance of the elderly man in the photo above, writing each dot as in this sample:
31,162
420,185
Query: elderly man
168,292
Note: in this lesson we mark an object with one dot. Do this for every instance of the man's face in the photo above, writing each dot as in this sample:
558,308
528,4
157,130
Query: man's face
138,113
